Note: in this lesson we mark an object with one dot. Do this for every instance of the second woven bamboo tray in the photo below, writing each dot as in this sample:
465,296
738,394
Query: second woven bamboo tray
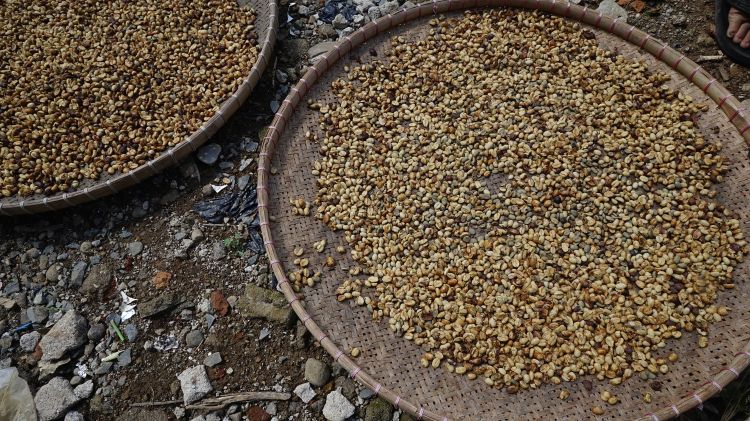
266,23
389,365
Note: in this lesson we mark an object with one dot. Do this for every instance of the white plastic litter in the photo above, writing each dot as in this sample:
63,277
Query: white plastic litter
16,402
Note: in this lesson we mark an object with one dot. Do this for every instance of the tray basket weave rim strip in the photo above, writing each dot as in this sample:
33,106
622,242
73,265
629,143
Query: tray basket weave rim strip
677,61
167,158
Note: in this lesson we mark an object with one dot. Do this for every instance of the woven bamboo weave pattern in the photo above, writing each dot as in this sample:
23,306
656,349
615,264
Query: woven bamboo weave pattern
390,365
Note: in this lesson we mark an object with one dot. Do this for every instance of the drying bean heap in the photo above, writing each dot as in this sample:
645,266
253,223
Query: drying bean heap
91,87
526,206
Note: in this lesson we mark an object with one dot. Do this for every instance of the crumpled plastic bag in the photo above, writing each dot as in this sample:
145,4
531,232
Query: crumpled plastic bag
16,402
232,205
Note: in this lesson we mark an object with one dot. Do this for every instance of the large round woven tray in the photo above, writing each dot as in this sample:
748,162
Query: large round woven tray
266,23
389,365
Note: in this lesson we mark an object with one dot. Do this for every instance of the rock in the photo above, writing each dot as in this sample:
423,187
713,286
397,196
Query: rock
209,154
48,368
197,235
130,331
378,410
135,248
66,335
104,368
388,7
373,13
28,341
271,408
365,393
6,342
347,387
84,390
77,273
96,332
37,314
86,247
264,303
219,303
74,416
337,408
612,9
300,336
305,392
54,398
124,359
316,372
161,279
194,338
320,49
219,250
243,181
53,272
212,359
256,413
159,304
97,280
340,22
194,384
326,30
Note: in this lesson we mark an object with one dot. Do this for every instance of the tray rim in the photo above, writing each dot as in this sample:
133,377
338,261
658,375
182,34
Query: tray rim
695,74
108,185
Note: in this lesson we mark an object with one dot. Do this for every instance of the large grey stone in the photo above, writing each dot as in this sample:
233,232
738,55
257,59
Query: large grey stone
337,407
66,335
54,399
194,383
264,303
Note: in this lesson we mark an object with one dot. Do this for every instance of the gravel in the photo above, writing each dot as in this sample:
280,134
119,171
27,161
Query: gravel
305,392
209,154
84,390
66,335
316,372
96,332
37,314
337,407
29,341
54,398
135,248
194,383
212,359
194,338
77,273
